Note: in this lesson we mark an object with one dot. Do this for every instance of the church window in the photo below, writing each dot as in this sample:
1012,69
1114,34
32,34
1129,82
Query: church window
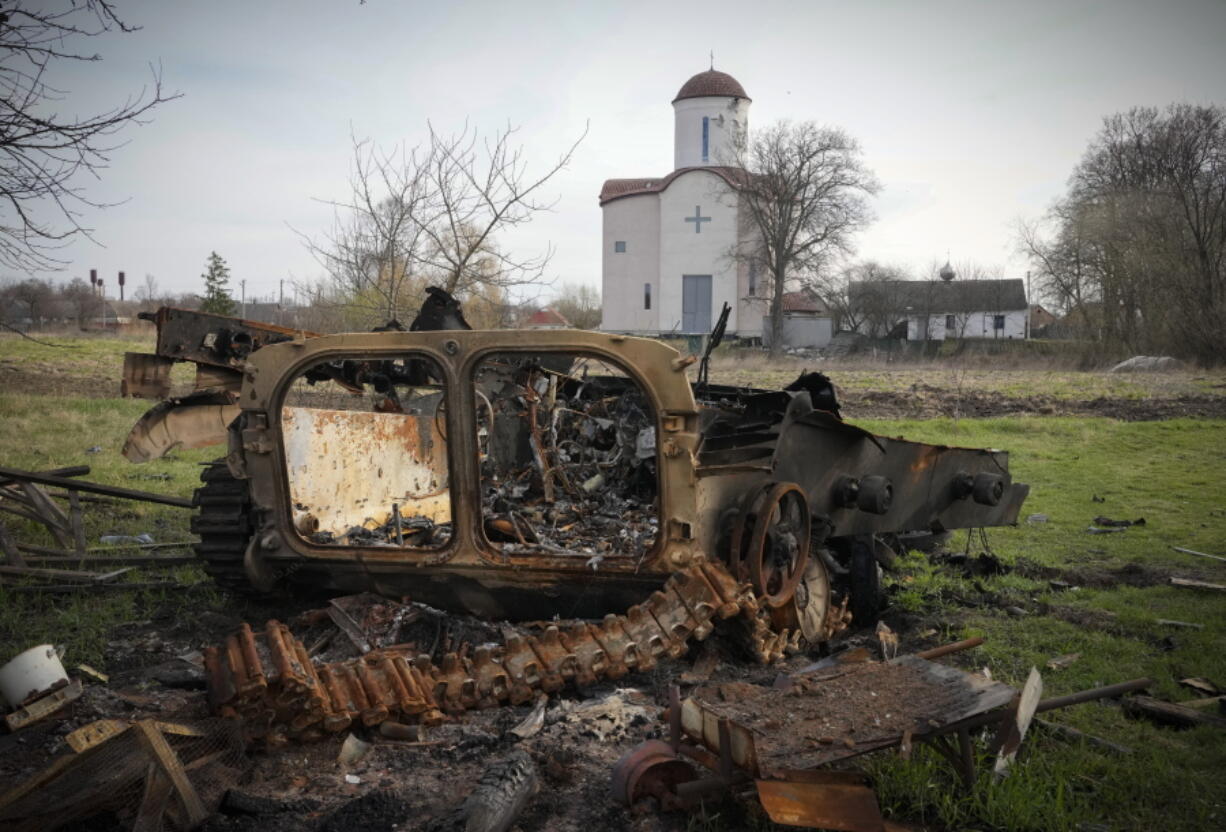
950,322
706,135
753,279
998,322
619,247
646,295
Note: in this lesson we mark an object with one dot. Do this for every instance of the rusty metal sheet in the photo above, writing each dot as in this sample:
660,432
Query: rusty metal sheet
822,800
145,376
179,423
347,467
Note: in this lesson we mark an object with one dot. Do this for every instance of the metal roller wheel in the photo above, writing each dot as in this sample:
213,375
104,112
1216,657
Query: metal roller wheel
778,552
651,769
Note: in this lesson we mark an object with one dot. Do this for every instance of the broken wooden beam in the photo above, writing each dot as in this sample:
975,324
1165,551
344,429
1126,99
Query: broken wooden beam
1188,582
95,488
1170,713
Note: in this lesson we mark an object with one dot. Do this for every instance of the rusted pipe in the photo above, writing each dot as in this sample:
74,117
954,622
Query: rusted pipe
946,649
1108,692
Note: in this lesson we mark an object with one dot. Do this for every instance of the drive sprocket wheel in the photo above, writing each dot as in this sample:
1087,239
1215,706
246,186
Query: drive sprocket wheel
778,547
224,523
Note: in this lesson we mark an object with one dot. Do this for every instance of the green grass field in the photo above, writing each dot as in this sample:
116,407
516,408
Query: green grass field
1172,473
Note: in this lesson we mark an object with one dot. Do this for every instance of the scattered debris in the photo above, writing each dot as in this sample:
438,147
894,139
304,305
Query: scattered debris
1035,519
352,750
119,539
146,773
1107,522
1108,530
532,723
1061,662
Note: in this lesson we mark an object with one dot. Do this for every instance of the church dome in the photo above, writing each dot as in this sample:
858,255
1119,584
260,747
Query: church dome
947,272
711,82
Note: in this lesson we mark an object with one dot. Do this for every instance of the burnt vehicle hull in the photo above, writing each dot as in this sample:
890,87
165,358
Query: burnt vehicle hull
754,480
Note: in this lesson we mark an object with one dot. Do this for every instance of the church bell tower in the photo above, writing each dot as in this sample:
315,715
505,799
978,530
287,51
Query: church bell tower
711,113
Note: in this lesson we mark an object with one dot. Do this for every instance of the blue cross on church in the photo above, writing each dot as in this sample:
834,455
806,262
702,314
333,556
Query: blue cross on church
698,219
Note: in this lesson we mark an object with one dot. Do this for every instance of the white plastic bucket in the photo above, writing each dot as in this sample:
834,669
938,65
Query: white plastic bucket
33,671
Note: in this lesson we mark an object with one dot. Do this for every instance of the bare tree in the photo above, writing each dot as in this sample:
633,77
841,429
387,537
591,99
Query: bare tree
81,300
579,303
805,195
148,292
862,295
431,216
44,152
1138,244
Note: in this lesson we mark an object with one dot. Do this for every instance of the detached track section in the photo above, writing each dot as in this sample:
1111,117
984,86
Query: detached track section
269,681
224,523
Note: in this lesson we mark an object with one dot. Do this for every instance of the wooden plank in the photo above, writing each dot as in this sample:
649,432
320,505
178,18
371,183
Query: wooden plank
1198,554
70,471
99,550
12,554
142,561
96,733
106,576
1188,582
96,488
42,708
52,514
153,802
61,574
169,761
78,525
61,589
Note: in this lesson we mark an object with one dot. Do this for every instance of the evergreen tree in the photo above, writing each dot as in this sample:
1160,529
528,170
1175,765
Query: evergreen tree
216,277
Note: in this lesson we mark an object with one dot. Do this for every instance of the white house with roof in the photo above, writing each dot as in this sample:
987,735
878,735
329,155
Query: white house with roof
666,261
934,310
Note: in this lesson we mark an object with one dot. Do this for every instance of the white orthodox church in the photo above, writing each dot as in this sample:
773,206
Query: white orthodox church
666,262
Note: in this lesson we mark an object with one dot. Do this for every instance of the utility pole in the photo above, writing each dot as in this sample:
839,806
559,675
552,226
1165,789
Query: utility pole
121,282
281,302
243,284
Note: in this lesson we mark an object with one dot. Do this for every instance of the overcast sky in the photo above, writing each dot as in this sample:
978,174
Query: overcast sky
972,114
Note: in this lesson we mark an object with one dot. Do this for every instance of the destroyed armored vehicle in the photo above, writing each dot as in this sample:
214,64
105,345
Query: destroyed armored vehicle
524,475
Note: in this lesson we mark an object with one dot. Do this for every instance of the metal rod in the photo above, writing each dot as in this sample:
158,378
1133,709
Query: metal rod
946,649
1108,692
95,488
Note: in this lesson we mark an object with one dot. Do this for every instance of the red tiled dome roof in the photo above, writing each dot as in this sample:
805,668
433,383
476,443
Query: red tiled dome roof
711,82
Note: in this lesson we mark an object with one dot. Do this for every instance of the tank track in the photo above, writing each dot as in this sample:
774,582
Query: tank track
224,523
269,681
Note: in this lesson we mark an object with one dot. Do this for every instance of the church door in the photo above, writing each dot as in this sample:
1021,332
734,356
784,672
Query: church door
696,303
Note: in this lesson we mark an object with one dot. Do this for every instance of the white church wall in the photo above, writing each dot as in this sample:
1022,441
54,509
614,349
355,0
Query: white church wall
724,117
634,220
682,251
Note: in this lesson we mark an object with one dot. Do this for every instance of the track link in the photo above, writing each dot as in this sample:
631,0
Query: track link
269,681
